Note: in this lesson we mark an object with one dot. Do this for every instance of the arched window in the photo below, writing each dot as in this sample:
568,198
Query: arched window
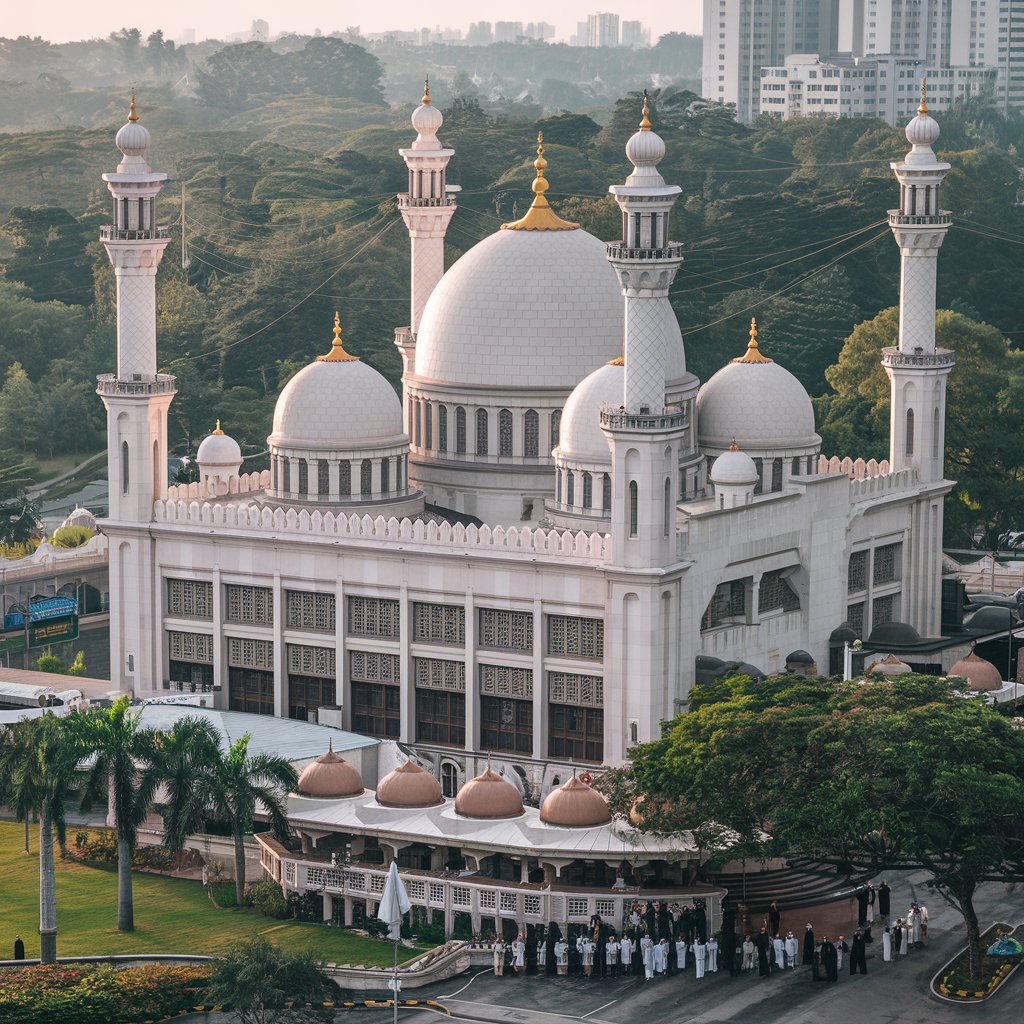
274,460
606,492
570,488
366,478
481,431
287,486
303,477
428,425
667,510
345,478
531,431
323,478
418,422
449,779
442,428
124,467
505,434
935,433
634,501
558,486
385,475
776,474
588,490
460,430
556,426
910,432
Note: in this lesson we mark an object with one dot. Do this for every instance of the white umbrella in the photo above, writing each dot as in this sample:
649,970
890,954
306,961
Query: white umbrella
394,902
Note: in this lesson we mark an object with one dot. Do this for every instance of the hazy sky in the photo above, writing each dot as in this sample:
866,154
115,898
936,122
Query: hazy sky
62,20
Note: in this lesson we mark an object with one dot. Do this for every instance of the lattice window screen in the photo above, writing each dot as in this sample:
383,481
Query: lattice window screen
510,630
190,597
306,610
374,616
575,636
194,647
245,653
311,661
250,604
439,674
578,690
439,623
505,681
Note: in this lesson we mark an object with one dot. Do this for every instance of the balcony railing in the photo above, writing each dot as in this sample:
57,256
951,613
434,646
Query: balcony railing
898,219
110,233
137,385
618,418
409,202
618,251
938,359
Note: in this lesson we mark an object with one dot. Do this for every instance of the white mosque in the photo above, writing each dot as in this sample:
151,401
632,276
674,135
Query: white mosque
527,556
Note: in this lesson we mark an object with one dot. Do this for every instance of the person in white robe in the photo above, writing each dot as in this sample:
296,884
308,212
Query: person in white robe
923,911
611,955
562,957
712,954
905,941
499,957
792,948
748,953
680,954
887,945
519,955
914,920
779,948
626,954
587,948
661,957
700,954
841,948
542,955
647,955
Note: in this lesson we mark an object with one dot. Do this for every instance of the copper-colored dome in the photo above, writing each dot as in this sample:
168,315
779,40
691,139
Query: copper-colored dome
575,804
489,796
890,665
981,675
409,786
330,776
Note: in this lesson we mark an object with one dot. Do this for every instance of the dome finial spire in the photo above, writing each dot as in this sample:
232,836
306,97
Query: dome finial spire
753,353
426,90
645,122
337,353
133,110
923,109
217,429
540,216
734,447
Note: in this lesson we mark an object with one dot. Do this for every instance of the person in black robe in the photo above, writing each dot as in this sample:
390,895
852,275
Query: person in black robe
727,951
664,922
829,959
19,948
774,919
764,946
858,954
651,921
816,965
884,900
808,957
701,920
551,935
862,907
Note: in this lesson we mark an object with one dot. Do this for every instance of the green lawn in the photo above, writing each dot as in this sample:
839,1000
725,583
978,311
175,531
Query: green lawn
171,915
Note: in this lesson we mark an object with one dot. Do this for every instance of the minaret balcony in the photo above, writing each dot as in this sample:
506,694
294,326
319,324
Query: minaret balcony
408,202
619,251
136,386
940,359
617,417
898,219
112,233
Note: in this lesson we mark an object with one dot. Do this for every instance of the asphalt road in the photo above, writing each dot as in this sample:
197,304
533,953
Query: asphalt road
895,993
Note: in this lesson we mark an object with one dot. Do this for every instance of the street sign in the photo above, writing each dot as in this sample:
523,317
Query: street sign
53,631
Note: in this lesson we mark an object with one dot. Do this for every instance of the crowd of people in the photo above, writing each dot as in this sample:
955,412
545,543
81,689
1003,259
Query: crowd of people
660,939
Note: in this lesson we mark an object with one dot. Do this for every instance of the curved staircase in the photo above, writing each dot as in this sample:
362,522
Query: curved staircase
790,887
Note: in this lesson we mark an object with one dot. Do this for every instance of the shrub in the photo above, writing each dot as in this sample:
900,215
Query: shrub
72,536
77,667
49,662
223,895
268,899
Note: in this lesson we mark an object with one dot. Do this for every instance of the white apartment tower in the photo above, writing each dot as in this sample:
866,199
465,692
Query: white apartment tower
917,370
602,29
136,398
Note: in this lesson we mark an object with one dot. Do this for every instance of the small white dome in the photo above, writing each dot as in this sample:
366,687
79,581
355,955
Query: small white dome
218,450
644,151
922,130
734,468
756,402
581,438
80,517
132,138
523,309
337,403
426,118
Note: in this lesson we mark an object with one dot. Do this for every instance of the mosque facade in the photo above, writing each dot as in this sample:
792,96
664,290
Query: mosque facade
529,553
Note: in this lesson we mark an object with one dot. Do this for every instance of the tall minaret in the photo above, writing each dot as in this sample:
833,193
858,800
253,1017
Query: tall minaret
426,209
137,399
645,480
917,370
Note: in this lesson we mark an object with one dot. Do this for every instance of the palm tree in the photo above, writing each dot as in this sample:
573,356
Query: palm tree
126,767
234,784
39,767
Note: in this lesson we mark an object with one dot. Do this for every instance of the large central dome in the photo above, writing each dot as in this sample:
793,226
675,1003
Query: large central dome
524,309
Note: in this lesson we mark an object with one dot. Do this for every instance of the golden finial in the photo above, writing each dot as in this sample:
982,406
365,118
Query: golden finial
337,353
540,216
133,111
617,361
734,447
923,109
753,353
645,123
426,92
218,431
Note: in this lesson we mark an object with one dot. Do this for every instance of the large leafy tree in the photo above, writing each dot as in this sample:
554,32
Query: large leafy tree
899,773
126,769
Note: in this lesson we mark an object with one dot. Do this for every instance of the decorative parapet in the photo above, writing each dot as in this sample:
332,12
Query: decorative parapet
940,359
246,483
558,544
856,469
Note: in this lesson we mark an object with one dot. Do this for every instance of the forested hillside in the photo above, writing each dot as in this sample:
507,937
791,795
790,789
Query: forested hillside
288,161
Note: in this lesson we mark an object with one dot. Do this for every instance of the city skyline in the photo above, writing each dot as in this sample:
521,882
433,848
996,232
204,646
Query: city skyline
64,20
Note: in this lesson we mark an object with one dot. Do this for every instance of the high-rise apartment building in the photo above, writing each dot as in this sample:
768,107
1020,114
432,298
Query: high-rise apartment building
508,31
602,29
635,34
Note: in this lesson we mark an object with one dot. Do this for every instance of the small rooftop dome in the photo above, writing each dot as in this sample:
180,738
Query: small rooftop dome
734,468
426,118
644,150
894,634
80,517
981,675
489,796
219,454
575,804
330,777
922,130
409,786
132,138
890,665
